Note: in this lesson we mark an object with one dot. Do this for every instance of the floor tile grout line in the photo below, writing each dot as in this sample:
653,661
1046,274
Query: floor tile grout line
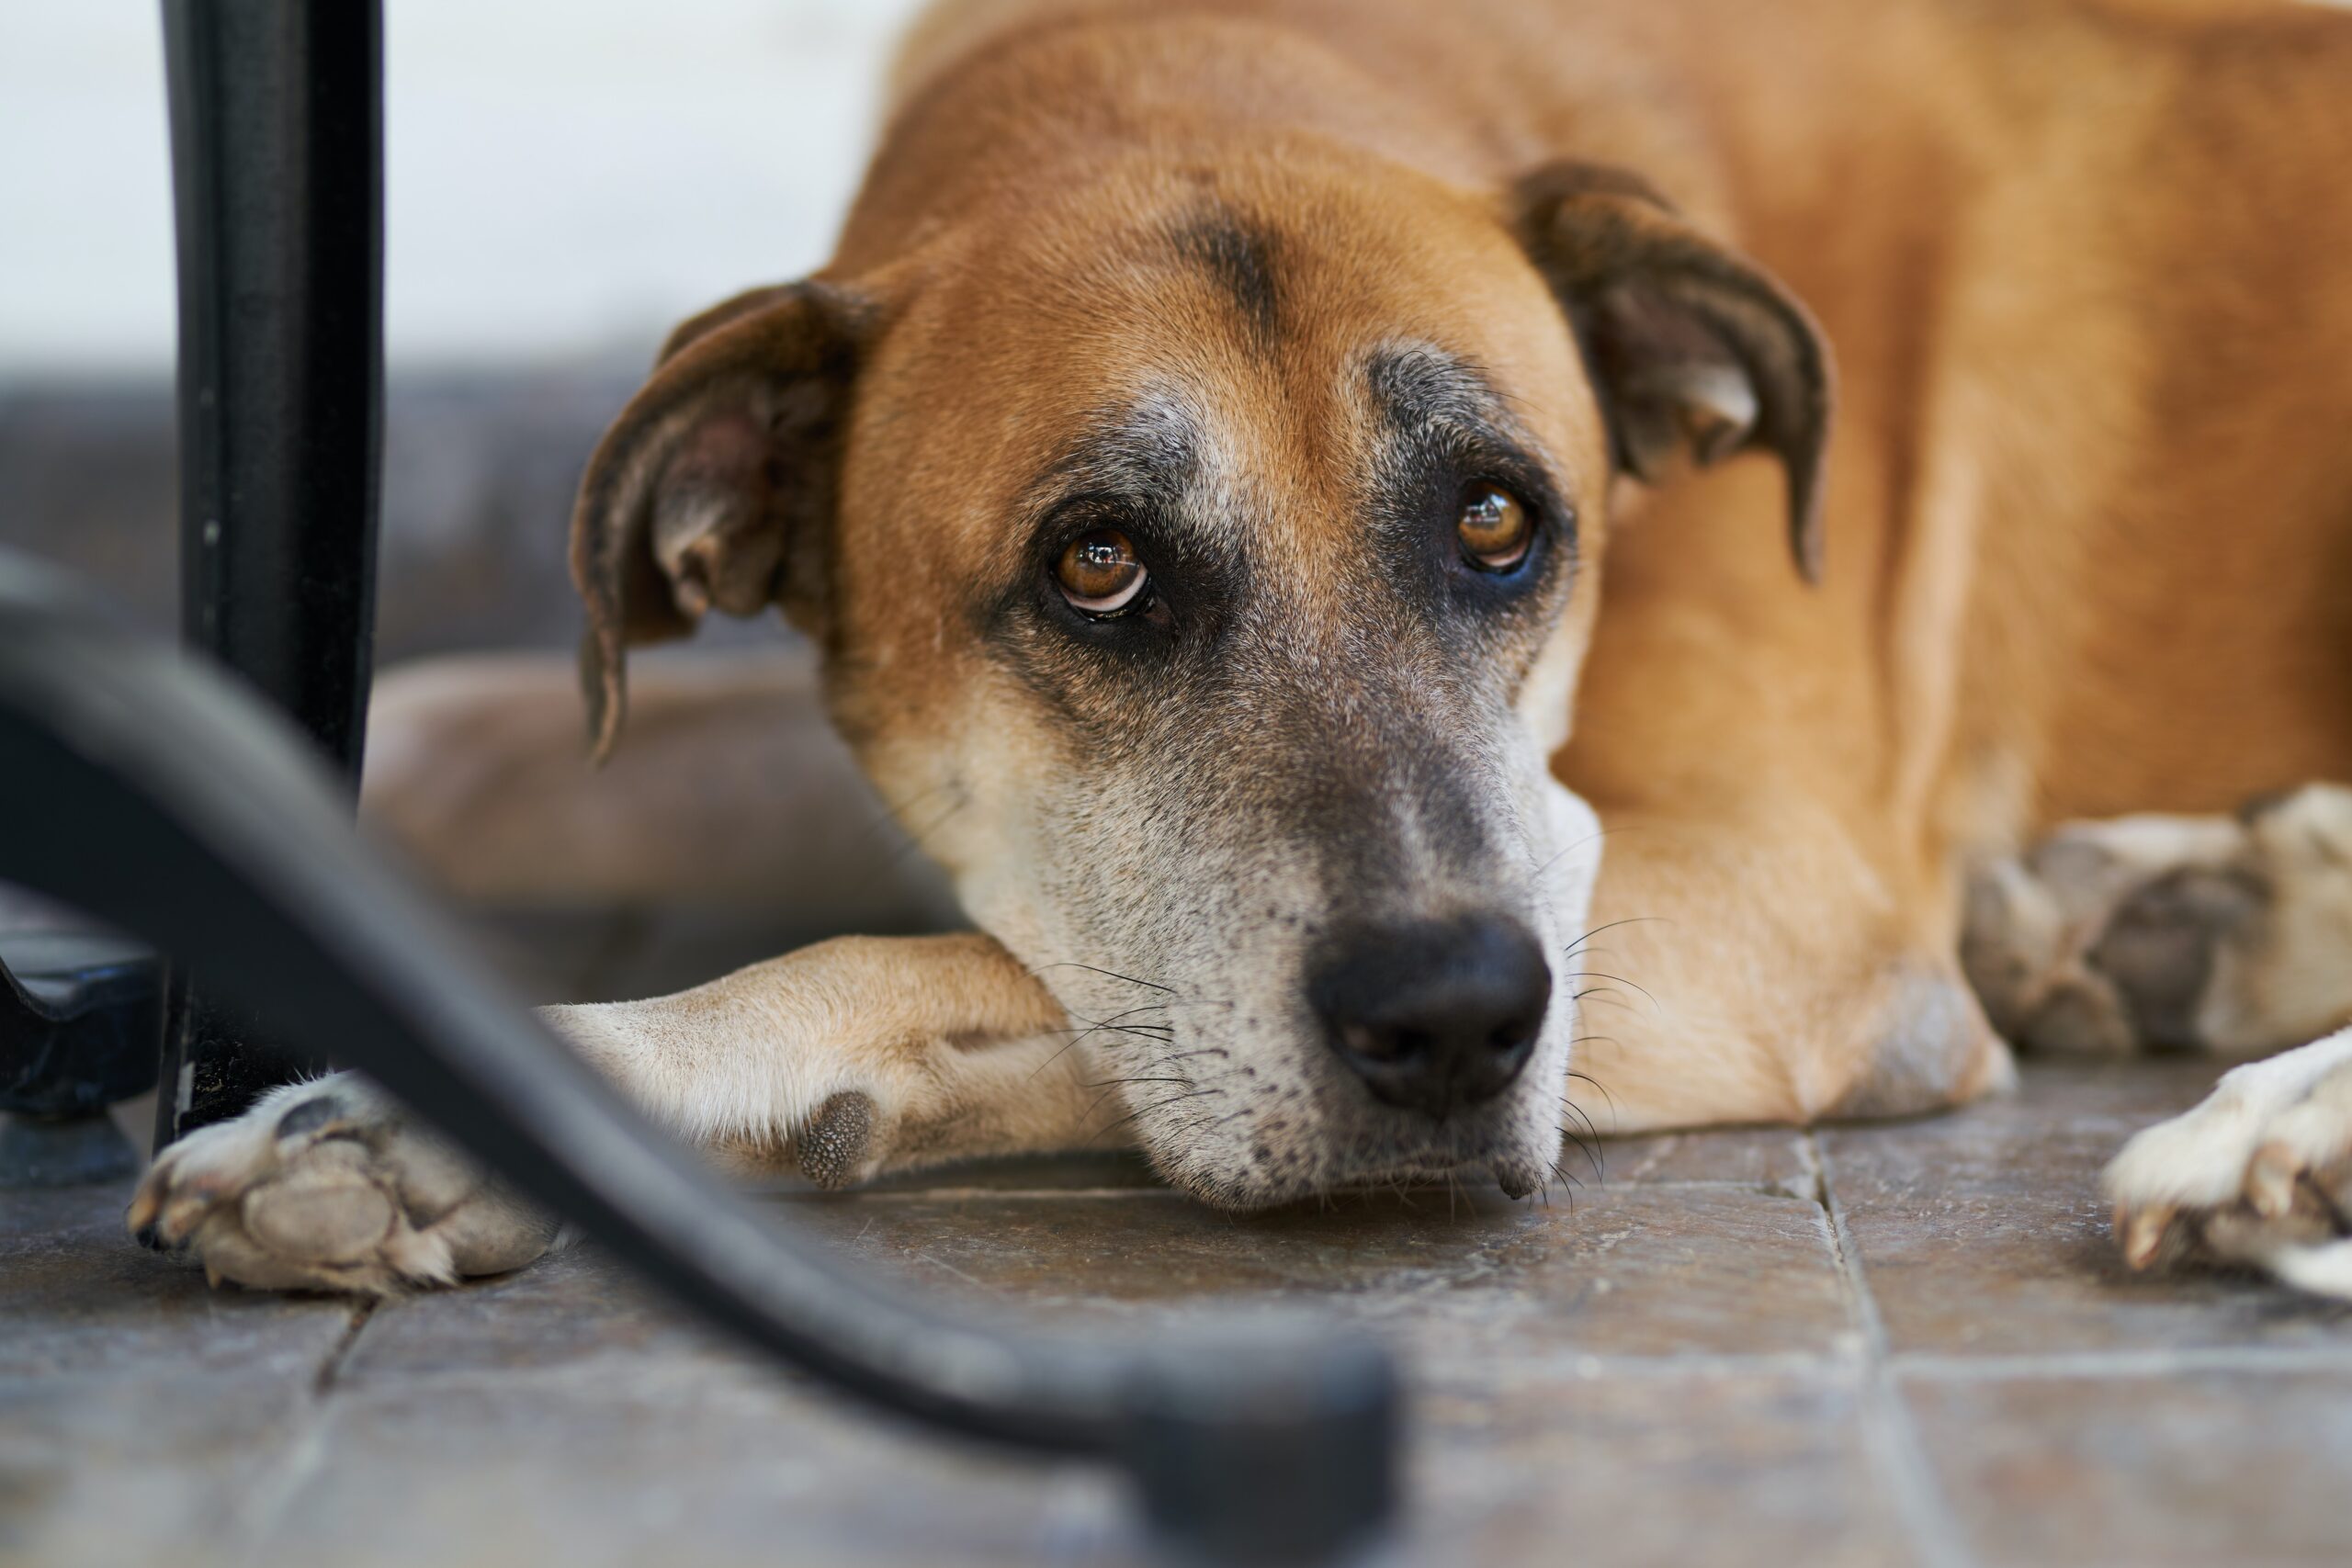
1763,1187
1587,1366
1933,1366
1918,1496
307,1451
1432,1371
963,1194
331,1365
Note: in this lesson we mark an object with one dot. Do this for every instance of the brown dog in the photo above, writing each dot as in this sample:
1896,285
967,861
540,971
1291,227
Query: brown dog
1199,467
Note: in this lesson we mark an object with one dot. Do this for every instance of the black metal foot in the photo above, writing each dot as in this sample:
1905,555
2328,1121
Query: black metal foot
74,1152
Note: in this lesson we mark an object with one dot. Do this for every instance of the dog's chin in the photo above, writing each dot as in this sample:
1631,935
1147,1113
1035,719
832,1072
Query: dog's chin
1497,1147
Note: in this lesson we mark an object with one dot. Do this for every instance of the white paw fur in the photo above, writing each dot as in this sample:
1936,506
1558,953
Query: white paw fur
2259,1173
330,1185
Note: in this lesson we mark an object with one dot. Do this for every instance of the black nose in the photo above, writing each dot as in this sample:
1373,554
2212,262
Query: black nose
1435,1015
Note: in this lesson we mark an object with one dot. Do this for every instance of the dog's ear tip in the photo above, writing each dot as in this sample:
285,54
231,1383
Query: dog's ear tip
603,688
604,736
1806,461
1808,529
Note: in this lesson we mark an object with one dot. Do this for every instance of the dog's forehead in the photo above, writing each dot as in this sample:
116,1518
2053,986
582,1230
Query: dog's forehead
1198,313
1253,307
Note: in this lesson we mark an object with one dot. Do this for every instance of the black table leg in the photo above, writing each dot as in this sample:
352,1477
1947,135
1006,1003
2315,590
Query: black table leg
276,113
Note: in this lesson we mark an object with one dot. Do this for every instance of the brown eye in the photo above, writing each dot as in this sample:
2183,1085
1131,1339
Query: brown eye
1494,528
1099,574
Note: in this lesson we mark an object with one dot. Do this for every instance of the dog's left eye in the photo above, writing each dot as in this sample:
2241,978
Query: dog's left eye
1099,574
1495,528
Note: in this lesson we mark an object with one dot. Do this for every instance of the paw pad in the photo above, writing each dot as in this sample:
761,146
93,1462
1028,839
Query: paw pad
833,1146
310,1116
327,1222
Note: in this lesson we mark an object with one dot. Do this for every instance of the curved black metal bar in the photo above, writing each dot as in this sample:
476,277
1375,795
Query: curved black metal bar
144,788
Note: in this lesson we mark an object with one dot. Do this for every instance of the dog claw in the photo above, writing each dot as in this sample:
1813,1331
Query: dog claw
2144,1232
2270,1179
2246,1176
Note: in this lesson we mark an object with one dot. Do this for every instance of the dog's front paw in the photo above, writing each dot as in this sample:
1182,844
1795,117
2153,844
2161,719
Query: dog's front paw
2260,1173
330,1185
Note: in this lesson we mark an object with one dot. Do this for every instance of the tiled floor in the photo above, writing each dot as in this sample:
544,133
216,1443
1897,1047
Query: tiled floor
1893,1344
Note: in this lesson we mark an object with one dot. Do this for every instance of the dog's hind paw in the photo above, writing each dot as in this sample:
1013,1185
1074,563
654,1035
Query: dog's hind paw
2197,933
2259,1173
330,1186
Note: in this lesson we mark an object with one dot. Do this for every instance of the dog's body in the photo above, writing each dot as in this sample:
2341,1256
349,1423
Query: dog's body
1237,288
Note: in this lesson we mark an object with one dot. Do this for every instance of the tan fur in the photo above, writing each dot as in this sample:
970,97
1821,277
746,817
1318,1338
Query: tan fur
2082,528
2082,269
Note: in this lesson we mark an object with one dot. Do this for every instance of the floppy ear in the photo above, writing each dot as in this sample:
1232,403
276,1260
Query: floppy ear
715,487
1688,345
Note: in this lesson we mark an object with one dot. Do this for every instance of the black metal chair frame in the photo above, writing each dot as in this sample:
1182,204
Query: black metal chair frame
203,805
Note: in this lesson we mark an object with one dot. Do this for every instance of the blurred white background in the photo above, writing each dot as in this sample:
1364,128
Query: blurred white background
564,178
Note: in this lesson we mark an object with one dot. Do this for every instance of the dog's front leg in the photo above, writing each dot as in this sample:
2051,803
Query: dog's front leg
1761,968
851,1058
841,1061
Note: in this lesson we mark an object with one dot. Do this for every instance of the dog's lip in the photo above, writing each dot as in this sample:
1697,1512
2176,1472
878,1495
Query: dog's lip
1517,1174
1518,1178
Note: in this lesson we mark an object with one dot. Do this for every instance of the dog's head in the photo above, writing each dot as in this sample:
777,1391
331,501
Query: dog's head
1203,558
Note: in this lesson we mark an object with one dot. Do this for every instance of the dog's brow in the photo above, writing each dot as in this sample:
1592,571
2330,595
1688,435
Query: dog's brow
1415,386
1446,422
1146,452
1239,257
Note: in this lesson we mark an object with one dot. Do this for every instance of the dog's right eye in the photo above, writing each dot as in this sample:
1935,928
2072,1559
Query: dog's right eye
1099,574
1496,528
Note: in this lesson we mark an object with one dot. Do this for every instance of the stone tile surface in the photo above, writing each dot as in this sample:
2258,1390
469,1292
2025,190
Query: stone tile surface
2188,1467
1467,1281
143,1416
77,1298
1672,1469
1766,1158
576,1310
149,1464
1983,1233
666,1461
1699,1360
